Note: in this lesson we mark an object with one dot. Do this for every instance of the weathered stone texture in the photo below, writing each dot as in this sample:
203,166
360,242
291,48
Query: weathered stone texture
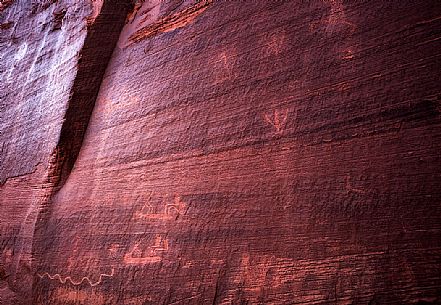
53,57
257,152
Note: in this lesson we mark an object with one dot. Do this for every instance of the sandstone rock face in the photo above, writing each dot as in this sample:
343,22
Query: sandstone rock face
260,152
53,57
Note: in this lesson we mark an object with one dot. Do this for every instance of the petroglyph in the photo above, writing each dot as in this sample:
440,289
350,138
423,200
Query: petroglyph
130,60
275,43
336,20
349,187
277,119
138,300
348,54
113,248
147,209
136,257
161,243
343,87
168,210
225,65
76,283
8,256
177,207
258,272
139,256
337,16
68,295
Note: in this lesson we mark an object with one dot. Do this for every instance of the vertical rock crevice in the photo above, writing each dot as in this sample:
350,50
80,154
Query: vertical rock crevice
102,36
103,30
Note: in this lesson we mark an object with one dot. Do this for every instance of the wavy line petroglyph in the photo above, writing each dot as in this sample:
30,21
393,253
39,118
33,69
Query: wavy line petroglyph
76,283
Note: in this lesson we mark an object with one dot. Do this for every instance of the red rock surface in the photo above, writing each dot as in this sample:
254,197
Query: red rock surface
54,54
258,152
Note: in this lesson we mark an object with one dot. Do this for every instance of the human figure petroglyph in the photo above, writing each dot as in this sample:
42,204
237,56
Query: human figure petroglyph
147,209
225,65
258,272
336,20
277,120
133,255
337,16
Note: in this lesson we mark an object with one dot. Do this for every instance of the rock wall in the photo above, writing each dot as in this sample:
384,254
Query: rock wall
232,152
53,57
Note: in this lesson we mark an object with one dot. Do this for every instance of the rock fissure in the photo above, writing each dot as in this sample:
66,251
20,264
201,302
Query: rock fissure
95,53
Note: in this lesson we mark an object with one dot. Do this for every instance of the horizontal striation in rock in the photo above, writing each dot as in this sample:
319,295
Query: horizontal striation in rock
261,152
55,57
259,155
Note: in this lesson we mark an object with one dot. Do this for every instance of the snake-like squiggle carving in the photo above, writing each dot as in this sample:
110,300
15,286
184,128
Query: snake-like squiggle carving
77,283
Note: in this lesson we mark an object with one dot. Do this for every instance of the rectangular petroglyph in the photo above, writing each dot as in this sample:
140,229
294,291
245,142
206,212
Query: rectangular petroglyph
139,255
